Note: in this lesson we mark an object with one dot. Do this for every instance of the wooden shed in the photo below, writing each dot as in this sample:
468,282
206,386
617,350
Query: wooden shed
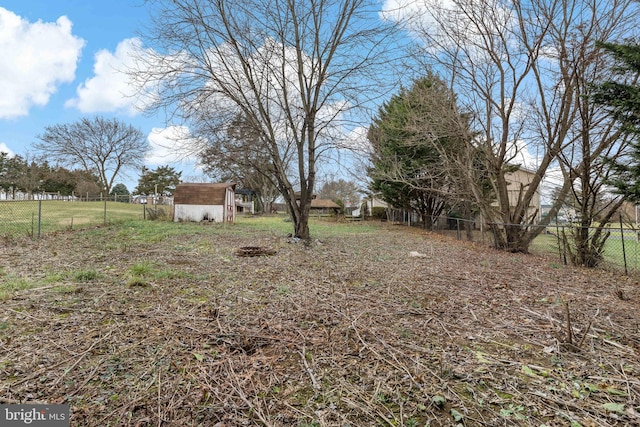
204,202
324,206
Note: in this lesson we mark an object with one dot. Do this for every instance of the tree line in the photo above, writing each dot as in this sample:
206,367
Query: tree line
270,92
21,175
543,78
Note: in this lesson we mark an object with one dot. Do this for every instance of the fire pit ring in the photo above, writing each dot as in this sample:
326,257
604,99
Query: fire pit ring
254,251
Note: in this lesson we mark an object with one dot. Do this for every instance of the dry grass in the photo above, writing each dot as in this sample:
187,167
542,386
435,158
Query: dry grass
163,325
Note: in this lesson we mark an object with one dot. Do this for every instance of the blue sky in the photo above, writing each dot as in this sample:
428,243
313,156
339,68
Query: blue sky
58,65
59,62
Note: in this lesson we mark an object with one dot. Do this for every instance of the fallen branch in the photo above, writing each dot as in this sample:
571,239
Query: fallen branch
314,381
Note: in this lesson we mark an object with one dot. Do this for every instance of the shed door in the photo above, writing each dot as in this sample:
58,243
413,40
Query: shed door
230,202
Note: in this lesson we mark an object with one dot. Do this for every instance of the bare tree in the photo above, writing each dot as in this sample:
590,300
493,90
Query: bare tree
293,68
595,138
345,191
419,141
514,64
240,158
101,146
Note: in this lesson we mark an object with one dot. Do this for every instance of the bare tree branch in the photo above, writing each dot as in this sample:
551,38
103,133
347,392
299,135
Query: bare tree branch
292,69
101,146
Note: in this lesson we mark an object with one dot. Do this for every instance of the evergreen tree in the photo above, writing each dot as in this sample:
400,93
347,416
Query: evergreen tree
161,181
119,190
59,180
411,137
622,97
120,193
10,170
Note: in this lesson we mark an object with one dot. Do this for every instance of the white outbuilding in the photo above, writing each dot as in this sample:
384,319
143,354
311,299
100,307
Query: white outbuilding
197,202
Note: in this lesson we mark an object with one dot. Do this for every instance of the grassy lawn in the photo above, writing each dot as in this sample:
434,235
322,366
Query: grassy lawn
160,323
318,227
20,218
614,253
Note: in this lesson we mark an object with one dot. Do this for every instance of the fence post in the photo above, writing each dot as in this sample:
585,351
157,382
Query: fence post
458,228
39,216
495,235
560,249
624,253
105,209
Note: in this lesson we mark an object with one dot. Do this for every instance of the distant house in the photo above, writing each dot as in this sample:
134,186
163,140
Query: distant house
373,201
244,201
518,180
322,206
318,206
204,202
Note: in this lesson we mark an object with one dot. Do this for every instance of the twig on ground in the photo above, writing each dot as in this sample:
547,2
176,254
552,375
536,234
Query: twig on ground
314,381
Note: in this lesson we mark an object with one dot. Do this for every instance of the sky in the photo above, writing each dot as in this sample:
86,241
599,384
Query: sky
58,64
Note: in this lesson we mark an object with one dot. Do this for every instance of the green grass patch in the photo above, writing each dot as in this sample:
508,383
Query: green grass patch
167,274
53,277
84,275
141,269
11,284
614,252
30,218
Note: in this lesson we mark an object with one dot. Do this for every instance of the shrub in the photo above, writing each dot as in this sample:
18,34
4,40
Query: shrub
379,212
157,213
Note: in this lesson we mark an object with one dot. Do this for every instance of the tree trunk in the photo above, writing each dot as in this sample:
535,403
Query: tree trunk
302,228
301,221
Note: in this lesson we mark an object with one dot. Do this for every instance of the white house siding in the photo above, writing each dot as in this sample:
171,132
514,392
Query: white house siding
229,205
522,179
199,213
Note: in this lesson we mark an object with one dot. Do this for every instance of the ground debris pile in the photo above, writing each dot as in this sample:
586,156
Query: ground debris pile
348,332
255,251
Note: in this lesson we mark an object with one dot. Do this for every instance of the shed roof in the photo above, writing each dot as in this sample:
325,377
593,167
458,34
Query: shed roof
201,193
324,204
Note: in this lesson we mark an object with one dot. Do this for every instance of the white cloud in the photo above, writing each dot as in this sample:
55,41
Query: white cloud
111,88
36,58
357,141
519,153
170,145
445,24
5,149
406,11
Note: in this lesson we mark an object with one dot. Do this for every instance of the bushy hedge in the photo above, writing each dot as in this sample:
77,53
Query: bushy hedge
379,212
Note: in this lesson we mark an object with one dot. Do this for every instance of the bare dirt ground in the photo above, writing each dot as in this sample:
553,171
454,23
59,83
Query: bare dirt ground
177,330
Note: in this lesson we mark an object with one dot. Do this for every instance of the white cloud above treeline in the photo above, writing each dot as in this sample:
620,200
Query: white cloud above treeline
4,148
36,59
111,89
173,144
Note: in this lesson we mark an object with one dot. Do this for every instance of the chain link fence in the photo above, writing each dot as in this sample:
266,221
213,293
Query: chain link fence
33,218
615,247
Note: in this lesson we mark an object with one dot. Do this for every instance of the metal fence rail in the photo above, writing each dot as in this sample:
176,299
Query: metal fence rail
621,251
33,218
